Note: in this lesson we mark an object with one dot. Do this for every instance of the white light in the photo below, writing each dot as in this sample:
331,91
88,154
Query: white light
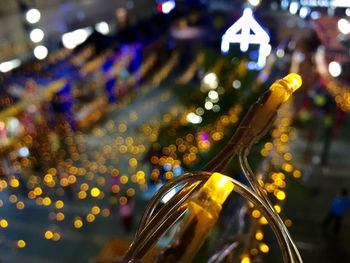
304,11
334,69
210,77
199,111
340,3
13,122
293,8
298,56
169,195
23,152
236,84
292,44
344,26
36,35
208,105
9,65
40,52
240,32
193,118
213,95
254,2
211,80
72,39
216,108
13,126
347,11
326,3
33,16
102,28
315,15
280,53
69,40
264,51
284,4
168,6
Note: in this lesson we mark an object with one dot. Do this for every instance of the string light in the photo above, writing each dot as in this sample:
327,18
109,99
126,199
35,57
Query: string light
33,15
40,52
21,243
334,69
3,223
272,100
36,35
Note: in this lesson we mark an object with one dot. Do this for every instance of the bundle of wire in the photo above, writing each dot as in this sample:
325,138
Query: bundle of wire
201,195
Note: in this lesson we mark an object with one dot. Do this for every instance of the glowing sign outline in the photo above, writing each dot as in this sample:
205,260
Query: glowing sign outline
245,24
329,3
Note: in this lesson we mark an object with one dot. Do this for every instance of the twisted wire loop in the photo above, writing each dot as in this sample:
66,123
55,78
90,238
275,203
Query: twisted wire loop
255,124
184,179
156,224
152,222
289,243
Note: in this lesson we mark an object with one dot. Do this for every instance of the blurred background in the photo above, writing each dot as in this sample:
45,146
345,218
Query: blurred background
102,102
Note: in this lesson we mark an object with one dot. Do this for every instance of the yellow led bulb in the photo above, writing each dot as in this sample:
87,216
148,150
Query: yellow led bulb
257,122
287,85
203,211
218,187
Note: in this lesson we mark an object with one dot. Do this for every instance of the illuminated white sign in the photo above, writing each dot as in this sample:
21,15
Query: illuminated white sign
325,3
240,32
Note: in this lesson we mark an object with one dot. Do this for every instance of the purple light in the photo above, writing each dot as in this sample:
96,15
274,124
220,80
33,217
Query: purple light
204,136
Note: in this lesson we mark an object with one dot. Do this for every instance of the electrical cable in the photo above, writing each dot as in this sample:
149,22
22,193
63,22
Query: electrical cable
202,193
